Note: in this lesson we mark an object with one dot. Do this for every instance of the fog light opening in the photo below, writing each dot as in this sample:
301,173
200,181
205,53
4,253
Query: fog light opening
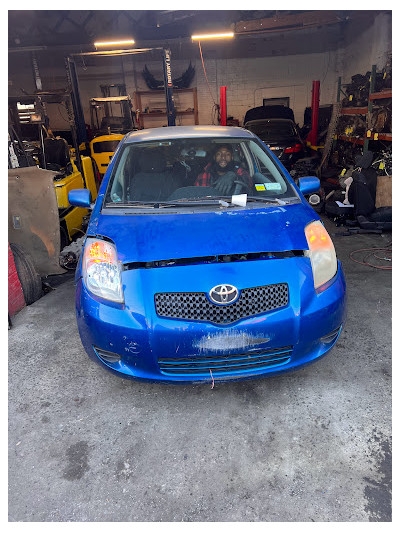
327,339
107,357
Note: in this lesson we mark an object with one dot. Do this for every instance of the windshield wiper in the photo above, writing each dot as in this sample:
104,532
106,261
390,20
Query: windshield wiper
223,201
266,200
227,199
130,204
176,203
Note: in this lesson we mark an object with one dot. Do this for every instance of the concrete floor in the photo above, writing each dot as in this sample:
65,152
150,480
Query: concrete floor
314,445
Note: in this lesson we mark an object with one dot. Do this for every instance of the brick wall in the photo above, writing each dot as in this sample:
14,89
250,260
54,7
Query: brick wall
16,299
366,44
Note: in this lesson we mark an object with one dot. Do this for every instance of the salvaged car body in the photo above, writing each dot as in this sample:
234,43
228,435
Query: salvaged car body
33,217
180,283
282,136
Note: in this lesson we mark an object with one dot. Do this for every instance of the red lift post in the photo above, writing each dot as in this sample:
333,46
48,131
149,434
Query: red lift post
222,102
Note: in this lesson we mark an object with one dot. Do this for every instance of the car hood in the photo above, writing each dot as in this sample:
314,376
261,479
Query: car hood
154,237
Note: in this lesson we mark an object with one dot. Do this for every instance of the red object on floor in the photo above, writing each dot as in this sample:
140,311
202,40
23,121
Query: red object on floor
16,300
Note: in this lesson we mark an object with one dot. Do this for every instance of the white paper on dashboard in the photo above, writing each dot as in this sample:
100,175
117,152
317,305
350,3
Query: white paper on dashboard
239,199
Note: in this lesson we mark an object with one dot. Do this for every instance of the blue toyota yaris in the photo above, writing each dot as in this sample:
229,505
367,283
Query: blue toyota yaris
203,261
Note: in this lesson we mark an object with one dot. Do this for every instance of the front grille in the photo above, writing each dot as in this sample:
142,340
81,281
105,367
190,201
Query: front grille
196,305
225,364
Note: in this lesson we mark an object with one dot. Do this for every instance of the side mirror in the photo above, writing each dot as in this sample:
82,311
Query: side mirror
309,184
79,198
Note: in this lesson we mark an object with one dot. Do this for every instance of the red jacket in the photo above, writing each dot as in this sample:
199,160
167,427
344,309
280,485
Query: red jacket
204,179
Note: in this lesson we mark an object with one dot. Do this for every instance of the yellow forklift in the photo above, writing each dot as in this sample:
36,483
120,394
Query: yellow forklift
28,119
111,118
102,149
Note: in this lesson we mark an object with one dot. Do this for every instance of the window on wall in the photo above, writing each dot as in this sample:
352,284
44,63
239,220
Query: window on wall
277,101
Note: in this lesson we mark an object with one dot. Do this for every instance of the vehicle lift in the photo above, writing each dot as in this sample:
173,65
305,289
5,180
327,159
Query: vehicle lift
73,82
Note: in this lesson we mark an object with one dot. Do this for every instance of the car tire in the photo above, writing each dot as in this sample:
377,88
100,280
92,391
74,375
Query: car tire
30,280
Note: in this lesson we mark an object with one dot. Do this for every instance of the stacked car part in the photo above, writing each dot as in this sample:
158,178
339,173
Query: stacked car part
358,90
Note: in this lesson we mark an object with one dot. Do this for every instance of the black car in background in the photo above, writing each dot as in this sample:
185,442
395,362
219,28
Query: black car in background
281,136
275,126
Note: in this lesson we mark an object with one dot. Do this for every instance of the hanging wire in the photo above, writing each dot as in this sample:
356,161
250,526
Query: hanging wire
77,229
327,68
205,74
215,108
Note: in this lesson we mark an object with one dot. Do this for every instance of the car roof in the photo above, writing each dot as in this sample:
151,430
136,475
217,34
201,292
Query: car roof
186,132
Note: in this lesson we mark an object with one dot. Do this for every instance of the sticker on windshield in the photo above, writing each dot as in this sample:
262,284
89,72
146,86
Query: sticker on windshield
260,187
273,186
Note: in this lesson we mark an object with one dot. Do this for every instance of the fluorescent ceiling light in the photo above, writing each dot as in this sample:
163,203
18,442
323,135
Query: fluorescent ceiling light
110,43
213,36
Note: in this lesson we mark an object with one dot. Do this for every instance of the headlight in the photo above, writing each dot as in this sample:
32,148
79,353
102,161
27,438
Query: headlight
101,270
321,252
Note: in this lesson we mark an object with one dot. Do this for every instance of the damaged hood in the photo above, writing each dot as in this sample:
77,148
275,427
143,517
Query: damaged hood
154,237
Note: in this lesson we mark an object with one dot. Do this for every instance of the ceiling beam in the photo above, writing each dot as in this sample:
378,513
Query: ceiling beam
287,22
64,16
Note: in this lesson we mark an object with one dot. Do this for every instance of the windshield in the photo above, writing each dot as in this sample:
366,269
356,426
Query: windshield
271,130
182,169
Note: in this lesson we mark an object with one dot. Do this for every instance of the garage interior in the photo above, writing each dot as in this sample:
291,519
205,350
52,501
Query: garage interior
309,446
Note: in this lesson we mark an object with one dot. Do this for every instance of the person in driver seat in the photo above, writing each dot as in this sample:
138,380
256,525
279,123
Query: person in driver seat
222,173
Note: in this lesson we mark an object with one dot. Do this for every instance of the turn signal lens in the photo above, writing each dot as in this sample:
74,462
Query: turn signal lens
321,253
101,270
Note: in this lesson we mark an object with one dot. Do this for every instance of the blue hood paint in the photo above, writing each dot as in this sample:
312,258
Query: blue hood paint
153,237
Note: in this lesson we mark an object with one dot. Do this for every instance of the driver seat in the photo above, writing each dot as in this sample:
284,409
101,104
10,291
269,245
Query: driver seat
153,181
56,153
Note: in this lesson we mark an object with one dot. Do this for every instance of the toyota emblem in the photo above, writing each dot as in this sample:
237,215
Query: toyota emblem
224,294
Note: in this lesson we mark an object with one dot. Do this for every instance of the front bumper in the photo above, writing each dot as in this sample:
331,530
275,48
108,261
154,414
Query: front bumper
149,346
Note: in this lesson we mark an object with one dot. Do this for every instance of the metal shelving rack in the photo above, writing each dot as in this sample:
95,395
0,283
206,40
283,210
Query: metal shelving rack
143,115
369,134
